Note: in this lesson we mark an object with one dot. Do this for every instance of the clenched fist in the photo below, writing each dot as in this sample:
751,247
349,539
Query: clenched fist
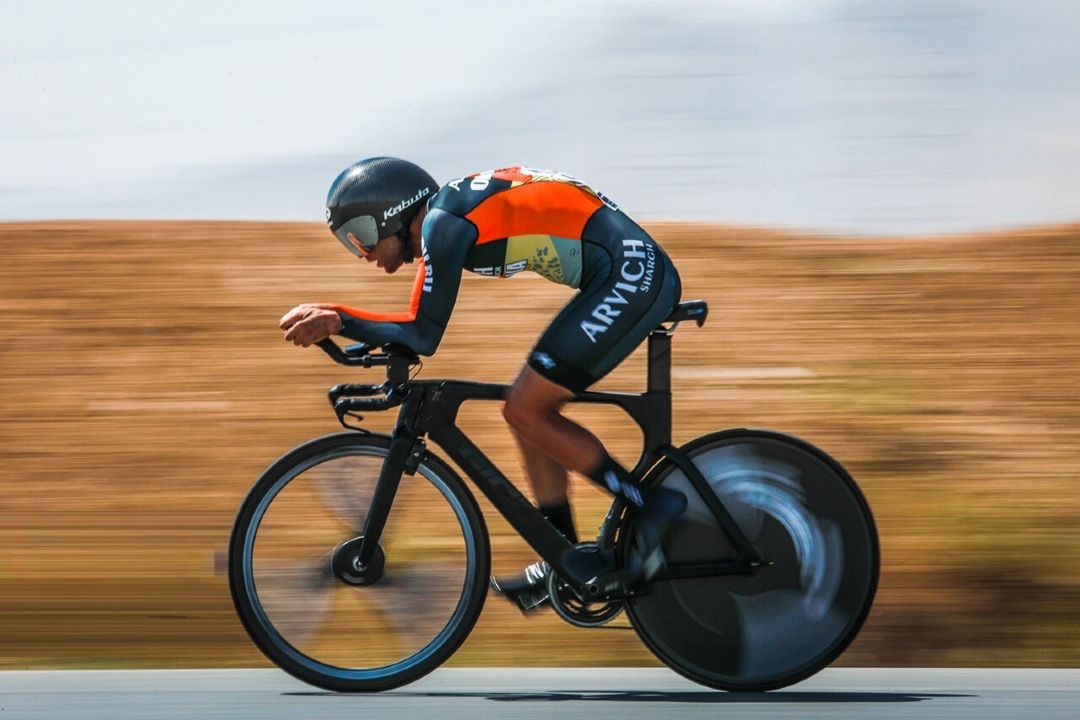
308,324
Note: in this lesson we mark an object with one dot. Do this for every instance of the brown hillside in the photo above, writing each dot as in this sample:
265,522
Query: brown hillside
146,386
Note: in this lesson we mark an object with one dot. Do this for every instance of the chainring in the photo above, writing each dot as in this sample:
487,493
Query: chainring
572,608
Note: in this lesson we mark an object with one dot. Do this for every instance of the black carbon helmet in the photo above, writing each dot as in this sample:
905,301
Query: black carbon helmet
376,198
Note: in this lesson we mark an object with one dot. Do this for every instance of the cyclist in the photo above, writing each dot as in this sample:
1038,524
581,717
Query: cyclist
389,211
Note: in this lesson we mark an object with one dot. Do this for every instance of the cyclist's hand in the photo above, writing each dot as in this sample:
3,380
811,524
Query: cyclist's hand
308,324
297,314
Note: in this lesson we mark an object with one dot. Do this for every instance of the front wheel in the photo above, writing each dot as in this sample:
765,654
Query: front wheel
788,619
321,615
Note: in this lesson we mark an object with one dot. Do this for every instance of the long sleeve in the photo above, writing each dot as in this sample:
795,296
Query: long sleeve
446,240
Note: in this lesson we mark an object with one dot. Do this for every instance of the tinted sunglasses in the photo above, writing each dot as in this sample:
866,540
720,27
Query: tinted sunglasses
361,234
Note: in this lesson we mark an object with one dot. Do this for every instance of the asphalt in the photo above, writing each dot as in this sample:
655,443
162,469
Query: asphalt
468,694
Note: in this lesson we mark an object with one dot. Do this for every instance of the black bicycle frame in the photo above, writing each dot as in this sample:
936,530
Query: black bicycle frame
430,408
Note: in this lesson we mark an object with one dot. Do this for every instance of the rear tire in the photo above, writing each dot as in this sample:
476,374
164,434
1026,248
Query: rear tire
322,617
782,623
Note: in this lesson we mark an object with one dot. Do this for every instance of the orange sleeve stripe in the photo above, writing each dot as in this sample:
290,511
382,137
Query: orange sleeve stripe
410,316
540,208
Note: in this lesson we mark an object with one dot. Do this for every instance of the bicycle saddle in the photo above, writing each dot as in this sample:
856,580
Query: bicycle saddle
696,310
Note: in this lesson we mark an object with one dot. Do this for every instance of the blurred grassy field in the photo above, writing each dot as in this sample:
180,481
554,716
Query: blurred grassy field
145,386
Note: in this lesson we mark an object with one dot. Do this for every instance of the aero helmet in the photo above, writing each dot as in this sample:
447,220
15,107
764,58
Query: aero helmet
376,198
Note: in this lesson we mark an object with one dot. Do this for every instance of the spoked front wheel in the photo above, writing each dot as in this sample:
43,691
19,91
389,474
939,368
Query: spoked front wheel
794,615
320,614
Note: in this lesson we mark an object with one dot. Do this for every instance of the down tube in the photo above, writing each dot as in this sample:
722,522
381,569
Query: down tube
515,507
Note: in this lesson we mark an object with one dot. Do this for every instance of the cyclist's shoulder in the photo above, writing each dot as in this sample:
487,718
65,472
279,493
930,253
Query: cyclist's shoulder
445,231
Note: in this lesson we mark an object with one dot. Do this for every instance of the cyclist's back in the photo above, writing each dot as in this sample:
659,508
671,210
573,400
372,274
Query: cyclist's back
516,219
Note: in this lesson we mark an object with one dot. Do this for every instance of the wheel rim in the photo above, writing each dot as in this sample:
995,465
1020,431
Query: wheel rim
784,621
346,630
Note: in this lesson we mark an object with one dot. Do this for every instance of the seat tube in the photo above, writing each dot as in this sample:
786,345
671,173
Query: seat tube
656,425
401,443
659,373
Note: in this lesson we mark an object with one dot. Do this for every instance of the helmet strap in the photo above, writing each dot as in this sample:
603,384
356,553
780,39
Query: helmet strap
406,248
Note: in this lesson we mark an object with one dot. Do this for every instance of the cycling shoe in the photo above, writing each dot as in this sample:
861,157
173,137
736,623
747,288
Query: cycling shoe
653,521
527,591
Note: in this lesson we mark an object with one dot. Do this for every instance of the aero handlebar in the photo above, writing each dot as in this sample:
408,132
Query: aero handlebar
359,354
348,398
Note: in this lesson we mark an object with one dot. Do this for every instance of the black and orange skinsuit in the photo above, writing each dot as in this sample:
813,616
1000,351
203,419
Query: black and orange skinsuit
506,221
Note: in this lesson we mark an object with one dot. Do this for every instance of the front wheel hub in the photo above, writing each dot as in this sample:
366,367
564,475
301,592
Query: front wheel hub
348,568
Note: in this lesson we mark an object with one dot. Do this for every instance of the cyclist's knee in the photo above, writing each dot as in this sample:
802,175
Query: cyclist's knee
533,402
524,414
512,413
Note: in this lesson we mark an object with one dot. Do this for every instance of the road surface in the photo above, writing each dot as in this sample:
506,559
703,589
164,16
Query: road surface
451,694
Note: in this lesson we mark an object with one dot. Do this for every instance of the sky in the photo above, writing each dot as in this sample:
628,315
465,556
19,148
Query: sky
864,116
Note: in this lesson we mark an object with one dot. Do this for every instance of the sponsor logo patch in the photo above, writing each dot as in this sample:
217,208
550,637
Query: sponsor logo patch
420,194
635,275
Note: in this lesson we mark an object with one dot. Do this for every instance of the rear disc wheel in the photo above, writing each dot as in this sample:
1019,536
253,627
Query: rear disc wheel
782,622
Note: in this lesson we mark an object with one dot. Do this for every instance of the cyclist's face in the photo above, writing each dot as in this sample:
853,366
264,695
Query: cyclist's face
387,255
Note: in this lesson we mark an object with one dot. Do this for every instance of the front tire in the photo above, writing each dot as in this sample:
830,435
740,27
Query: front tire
785,621
327,620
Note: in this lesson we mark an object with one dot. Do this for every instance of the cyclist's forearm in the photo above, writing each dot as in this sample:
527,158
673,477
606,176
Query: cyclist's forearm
422,336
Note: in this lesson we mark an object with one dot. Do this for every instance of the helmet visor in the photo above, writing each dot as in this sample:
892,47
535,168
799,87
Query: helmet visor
360,235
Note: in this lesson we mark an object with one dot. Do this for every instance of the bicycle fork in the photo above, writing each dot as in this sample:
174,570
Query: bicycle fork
404,454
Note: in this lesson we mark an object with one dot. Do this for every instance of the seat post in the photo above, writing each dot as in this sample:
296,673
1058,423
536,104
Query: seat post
659,376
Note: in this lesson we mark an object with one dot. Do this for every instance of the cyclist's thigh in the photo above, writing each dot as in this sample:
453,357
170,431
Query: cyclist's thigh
610,317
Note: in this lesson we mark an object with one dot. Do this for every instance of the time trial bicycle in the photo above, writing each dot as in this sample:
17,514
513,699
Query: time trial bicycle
359,561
